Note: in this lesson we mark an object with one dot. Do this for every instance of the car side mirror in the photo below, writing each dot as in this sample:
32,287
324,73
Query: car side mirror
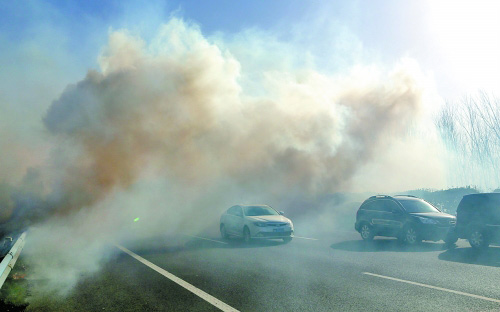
282,213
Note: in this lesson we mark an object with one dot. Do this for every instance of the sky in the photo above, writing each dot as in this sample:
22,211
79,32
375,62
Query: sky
48,45
456,42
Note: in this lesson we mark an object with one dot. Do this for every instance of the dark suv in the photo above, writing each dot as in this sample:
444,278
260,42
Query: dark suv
406,217
478,219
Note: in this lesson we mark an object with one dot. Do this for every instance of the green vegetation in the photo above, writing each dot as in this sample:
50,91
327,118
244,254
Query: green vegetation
15,290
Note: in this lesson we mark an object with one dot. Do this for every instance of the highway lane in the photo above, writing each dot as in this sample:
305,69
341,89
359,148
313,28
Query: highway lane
327,274
304,275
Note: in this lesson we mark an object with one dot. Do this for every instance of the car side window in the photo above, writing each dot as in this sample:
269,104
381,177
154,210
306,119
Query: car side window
232,211
378,206
392,206
374,205
368,206
238,211
384,205
492,209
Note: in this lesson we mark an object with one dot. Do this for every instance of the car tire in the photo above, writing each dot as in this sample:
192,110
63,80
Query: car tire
478,239
247,237
450,239
286,240
366,231
401,237
223,232
411,236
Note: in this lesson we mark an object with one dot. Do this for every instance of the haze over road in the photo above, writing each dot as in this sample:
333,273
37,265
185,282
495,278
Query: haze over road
337,272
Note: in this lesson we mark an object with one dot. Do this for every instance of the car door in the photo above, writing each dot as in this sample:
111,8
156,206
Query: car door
388,218
234,221
394,217
380,218
229,220
372,213
239,221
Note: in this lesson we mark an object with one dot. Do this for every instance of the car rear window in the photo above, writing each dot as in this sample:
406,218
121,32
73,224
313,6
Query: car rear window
485,202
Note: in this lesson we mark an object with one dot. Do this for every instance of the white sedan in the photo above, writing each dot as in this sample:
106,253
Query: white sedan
255,221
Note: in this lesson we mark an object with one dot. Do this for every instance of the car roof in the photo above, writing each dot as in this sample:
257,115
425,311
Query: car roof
483,195
407,197
243,206
395,197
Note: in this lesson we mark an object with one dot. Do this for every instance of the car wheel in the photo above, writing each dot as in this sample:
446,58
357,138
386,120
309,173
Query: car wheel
411,236
401,237
366,232
286,240
450,239
223,232
246,235
477,239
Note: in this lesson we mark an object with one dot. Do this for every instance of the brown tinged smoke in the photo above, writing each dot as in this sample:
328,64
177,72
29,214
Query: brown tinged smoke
176,110
183,113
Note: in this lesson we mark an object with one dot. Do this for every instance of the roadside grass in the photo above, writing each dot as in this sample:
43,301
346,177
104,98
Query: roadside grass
15,290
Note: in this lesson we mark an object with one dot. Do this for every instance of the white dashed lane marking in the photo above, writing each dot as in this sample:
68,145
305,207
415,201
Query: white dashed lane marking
433,287
308,238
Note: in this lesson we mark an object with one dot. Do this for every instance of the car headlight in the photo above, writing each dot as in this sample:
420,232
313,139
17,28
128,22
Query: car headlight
260,224
427,220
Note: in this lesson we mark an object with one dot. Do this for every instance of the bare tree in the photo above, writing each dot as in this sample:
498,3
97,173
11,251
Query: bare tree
470,130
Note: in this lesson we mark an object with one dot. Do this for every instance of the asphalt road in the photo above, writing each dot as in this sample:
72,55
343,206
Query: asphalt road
336,272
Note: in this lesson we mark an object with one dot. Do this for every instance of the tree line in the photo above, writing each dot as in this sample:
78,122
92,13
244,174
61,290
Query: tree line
470,131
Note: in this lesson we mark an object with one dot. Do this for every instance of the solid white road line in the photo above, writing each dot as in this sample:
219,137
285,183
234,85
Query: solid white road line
434,287
200,293
208,239
305,238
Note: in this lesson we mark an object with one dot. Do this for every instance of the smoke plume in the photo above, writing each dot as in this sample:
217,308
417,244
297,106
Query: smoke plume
167,130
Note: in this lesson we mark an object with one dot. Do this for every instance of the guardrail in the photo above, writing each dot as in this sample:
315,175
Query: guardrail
10,258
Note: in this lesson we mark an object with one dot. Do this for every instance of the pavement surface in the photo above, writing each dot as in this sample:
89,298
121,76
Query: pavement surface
334,271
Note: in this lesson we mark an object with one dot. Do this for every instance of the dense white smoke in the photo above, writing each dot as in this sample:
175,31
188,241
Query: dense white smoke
167,131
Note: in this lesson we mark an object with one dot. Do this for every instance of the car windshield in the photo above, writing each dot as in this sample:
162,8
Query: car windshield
260,211
417,206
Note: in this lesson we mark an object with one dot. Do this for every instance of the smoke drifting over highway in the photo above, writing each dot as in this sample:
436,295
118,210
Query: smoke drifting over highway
176,106
168,131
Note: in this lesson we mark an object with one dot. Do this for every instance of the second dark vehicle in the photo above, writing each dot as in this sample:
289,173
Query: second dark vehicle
478,219
405,217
